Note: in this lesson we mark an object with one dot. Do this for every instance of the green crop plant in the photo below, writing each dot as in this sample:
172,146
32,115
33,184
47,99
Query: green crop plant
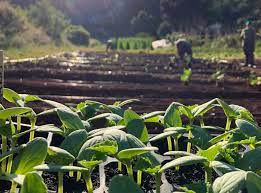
232,152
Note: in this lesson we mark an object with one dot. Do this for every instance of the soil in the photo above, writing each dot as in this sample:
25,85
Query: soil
152,78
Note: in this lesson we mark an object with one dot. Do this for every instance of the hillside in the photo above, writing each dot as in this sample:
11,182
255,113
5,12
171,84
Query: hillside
31,22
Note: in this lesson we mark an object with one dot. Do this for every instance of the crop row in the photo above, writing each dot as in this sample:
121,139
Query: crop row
230,156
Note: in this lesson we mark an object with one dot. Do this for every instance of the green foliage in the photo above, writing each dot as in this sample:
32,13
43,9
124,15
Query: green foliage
33,183
121,184
77,35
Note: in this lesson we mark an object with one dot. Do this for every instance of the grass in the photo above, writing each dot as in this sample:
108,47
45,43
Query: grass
34,51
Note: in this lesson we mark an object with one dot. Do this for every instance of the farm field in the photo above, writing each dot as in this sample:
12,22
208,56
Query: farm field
152,78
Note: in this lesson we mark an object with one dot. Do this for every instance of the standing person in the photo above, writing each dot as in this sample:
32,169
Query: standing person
248,36
184,50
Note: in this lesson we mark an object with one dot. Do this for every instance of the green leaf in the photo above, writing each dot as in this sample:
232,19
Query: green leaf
211,152
59,168
11,152
227,109
70,120
200,137
204,108
222,168
221,137
129,154
234,182
12,96
172,131
178,153
50,128
172,117
242,113
248,128
90,164
32,155
98,117
135,125
185,110
57,105
251,160
146,164
183,161
129,101
120,184
59,156
108,147
33,183
91,155
74,141
14,111
152,115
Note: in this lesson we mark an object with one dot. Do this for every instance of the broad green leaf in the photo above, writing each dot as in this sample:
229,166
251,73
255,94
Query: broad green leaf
200,137
11,152
183,161
30,98
248,128
146,164
234,182
227,109
57,105
59,168
178,153
74,141
59,156
32,155
90,164
33,183
251,160
70,120
129,101
211,152
242,113
221,137
14,111
97,117
107,147
50,128
152,115
172,131
91,155
135,125
12,96
129,154
120,184
172,117
185,110
204,108
221,167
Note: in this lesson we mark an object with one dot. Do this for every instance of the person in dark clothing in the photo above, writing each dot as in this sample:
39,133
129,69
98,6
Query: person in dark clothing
248,36
109,45
184,51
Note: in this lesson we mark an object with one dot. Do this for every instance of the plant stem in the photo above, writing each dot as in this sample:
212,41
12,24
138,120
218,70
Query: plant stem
13,187
169,143
4,149
32,132
60,182
228,124
79,175
88,182
201,120
176,145
130,170
18,124
120,166
189,144
139,177
158,182
71,172
208,175
10,159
